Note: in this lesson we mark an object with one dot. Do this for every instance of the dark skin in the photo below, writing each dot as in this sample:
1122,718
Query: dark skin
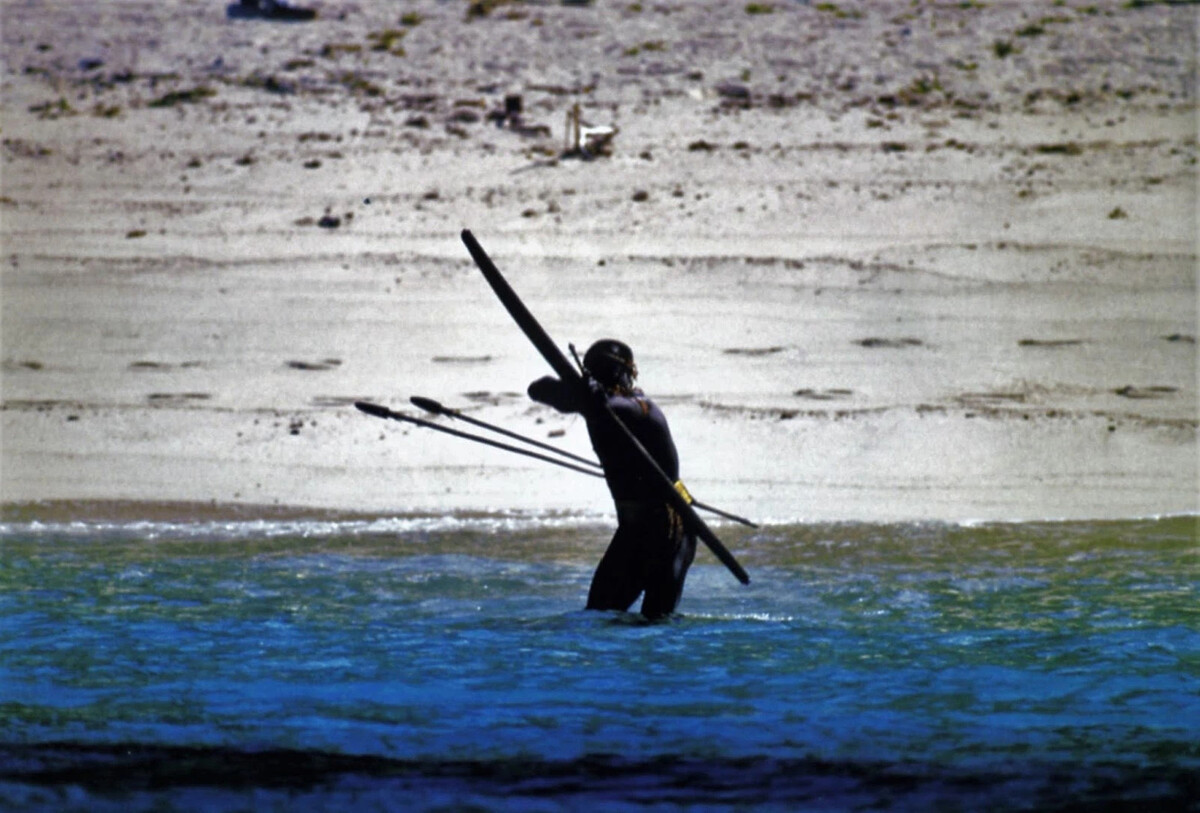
650,552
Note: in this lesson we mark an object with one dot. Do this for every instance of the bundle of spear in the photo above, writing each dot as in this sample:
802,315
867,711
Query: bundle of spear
562,457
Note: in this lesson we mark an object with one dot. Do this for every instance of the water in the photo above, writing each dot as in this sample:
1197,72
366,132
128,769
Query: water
445,663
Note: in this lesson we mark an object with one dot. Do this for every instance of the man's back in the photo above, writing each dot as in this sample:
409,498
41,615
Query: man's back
623,467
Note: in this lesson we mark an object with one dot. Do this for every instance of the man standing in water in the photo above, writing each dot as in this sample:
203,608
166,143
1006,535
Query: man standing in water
651,551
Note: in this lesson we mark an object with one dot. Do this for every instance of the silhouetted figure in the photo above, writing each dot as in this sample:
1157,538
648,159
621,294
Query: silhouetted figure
651,551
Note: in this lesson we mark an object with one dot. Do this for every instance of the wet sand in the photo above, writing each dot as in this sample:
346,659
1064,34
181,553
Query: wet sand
877,262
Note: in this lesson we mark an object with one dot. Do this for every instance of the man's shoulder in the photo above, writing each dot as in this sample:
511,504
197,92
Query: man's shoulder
636,402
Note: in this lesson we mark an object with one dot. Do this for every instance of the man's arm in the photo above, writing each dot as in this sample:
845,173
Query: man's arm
555,393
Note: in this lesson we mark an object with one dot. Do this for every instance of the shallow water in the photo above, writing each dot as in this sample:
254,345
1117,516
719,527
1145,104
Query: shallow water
423,663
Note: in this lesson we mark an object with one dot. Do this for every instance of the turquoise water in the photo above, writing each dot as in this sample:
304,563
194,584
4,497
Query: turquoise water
443,663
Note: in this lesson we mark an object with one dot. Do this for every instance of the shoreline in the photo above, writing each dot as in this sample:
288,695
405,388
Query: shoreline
60,513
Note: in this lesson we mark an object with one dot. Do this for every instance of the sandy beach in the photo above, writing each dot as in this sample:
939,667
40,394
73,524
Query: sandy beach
878,261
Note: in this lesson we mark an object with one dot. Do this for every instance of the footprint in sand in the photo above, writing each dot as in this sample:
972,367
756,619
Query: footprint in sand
893,344
1049,343
752,351
461,359
823,395
34,366
158,366
315,366
1130,391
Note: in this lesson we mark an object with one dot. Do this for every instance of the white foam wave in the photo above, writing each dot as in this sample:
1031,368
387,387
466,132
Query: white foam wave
260,529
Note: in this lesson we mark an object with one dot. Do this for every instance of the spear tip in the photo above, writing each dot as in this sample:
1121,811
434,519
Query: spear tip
373,409
429,405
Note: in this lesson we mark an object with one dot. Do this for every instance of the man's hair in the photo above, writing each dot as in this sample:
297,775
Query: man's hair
610,362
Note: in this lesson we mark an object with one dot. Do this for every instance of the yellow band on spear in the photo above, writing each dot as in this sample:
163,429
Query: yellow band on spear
683,492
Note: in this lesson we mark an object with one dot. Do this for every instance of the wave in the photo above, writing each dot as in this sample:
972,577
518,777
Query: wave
298,528
251,522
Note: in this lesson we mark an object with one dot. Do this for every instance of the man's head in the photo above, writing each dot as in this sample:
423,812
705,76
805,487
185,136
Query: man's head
611,363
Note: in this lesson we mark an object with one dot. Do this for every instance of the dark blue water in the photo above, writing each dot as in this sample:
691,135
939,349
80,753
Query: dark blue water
445,663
